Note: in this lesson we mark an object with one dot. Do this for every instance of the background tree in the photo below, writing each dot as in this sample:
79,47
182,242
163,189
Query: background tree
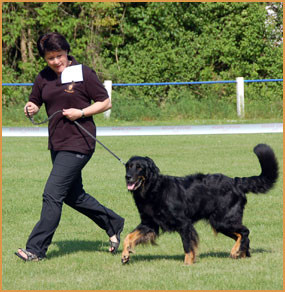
152,42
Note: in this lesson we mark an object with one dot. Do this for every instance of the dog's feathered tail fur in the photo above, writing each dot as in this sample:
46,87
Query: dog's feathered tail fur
269,172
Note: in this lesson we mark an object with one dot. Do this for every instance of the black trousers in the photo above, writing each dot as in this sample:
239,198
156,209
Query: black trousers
64,185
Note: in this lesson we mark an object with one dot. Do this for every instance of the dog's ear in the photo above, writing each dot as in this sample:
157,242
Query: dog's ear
151,165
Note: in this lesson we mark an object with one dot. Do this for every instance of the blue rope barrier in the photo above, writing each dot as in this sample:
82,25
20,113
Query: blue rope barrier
263,80
166,83
17,84
172,83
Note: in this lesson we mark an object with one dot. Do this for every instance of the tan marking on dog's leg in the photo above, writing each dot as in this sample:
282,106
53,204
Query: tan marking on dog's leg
189,258
235,250
215,231
129,244
242,254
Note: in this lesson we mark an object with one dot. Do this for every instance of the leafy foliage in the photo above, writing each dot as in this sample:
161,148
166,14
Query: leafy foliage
151,42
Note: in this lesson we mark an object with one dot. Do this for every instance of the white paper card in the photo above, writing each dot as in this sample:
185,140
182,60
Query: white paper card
72,74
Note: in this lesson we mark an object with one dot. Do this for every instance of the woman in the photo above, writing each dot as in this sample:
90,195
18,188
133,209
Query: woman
70,148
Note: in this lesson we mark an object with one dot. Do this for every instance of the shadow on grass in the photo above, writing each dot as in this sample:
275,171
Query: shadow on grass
137,258
227,254
73,246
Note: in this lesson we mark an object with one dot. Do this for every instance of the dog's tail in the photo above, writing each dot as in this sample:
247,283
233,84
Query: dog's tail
269,172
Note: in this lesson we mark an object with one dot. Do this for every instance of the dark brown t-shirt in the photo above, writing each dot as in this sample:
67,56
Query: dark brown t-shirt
63,133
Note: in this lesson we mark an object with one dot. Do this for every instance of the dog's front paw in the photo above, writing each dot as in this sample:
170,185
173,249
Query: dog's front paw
125,257
126,254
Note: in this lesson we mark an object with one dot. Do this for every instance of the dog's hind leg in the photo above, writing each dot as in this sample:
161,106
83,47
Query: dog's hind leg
190,240
240,234
241,247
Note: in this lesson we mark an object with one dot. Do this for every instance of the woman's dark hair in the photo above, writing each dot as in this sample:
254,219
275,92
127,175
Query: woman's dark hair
52,41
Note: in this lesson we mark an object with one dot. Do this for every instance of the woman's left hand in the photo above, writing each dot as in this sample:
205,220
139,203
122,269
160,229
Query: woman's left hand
96,108
72,113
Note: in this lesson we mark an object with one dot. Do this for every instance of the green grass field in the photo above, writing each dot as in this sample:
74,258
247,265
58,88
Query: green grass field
78,258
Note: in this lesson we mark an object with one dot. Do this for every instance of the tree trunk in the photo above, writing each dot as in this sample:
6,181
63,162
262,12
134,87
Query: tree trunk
24,47
30,45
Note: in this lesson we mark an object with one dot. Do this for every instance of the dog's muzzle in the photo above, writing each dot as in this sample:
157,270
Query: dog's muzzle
134,185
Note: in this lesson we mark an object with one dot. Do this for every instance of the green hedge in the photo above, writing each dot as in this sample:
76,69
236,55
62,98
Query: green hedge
154,42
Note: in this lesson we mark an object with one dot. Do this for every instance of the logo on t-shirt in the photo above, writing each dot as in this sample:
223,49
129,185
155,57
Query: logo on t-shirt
70,88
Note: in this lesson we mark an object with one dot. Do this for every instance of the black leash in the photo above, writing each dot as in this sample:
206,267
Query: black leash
43,122
92,136
77,124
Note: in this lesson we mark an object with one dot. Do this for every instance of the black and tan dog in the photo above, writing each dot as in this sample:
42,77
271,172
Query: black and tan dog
175,203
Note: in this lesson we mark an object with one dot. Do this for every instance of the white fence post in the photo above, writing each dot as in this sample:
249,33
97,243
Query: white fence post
240,96
108,86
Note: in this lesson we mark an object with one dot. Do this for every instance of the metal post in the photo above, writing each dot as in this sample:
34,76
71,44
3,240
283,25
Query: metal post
240,96
108,86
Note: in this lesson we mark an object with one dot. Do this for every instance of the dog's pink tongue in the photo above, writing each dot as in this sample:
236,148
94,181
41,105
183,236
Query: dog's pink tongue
131,187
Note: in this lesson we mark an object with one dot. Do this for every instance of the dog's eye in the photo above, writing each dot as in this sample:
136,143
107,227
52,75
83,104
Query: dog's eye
138,167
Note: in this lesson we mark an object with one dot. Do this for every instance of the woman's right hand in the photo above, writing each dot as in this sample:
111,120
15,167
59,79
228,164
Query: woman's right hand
31,108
